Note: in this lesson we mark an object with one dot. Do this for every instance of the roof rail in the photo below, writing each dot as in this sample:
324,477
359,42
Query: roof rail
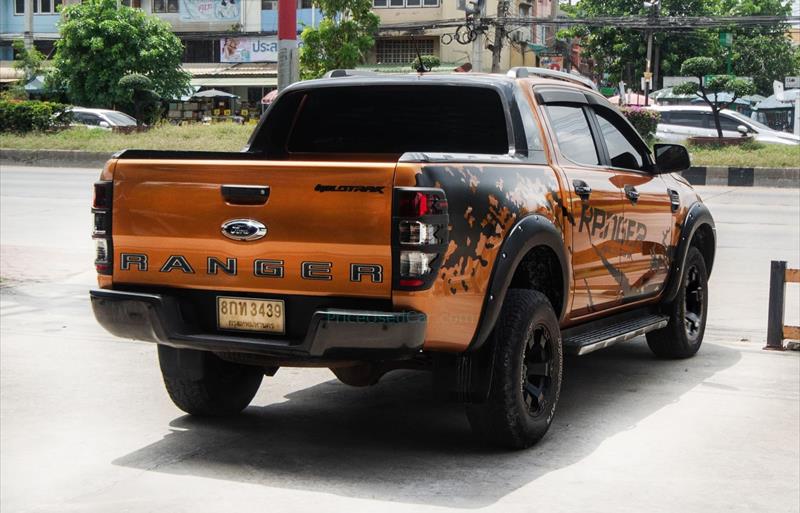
522,72
339,73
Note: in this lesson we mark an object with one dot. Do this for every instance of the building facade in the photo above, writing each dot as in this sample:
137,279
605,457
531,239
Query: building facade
401,38
228,44
232,45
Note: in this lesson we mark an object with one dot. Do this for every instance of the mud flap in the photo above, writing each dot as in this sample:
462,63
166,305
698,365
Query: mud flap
465,378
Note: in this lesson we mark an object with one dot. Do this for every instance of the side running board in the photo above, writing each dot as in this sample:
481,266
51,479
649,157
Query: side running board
596,335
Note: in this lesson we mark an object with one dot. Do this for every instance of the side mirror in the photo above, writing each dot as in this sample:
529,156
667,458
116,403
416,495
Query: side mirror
743,130
671,158
104,124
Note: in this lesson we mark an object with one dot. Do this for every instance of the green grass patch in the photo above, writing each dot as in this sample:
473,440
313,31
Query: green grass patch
214,137
747,155
233,137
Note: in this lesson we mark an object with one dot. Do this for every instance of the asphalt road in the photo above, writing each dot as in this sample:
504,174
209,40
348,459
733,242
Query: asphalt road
87,426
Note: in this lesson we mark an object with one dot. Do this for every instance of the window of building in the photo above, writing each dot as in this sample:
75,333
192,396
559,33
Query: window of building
411,4
204,50
402,51
573,134
39,6
136,4
166,6
272,5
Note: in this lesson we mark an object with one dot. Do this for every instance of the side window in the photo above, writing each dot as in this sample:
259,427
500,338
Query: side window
620,141
687,118
727,123
573,133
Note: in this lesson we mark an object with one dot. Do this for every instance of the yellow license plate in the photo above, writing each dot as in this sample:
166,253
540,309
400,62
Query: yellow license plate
241,313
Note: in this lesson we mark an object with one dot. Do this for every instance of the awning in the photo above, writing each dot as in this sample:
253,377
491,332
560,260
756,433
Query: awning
234,81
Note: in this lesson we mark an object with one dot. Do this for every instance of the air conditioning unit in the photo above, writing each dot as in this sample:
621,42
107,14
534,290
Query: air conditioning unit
521,35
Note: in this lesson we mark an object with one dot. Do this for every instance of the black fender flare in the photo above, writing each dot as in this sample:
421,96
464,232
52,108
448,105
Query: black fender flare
529,232
697,216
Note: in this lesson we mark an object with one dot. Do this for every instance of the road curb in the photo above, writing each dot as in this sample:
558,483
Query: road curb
54,158
744,176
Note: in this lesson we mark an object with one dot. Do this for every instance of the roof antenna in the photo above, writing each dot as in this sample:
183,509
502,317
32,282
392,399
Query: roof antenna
420,65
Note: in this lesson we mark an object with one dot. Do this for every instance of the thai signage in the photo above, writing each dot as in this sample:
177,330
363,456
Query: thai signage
554,62
210,10
249,49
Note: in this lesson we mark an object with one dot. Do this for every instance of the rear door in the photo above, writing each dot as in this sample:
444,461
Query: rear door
326,226
647,210
595,209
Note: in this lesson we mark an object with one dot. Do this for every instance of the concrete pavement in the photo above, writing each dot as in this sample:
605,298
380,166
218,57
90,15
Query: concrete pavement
87,426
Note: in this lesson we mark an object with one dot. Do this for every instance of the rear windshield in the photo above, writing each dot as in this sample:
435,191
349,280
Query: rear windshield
399,119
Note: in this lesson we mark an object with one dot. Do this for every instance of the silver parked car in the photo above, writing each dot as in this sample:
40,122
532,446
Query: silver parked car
100,118
678,122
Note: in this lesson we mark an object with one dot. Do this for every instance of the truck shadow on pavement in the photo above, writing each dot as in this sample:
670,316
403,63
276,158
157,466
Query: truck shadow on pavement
396,442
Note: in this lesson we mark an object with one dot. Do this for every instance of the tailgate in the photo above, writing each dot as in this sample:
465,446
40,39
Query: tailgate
327,226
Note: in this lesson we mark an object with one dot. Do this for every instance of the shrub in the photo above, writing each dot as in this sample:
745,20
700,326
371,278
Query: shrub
645,121
27,116
429,61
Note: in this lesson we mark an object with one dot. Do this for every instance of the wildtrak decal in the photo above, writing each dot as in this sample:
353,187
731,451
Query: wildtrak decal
349,188
606,225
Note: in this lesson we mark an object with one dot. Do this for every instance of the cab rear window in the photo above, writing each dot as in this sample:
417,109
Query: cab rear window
399,119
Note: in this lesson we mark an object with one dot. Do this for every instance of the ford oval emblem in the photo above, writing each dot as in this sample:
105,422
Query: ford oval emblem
243,229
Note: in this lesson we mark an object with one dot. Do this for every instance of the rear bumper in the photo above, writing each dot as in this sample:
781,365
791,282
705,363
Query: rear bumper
332,333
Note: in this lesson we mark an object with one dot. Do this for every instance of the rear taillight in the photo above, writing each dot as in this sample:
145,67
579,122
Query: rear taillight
420,236
101,232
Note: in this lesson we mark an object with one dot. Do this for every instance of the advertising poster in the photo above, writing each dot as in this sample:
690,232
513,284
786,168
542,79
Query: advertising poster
249,49
210,10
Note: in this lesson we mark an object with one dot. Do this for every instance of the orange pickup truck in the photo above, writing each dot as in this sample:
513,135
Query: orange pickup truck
479,226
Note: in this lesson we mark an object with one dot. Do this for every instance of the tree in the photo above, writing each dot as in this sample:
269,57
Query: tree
342,39
764,53
141,95
28,60
708,85
101,43
621,53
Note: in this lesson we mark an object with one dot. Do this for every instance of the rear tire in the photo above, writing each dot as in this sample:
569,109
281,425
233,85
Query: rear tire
200,383
526,374
683,335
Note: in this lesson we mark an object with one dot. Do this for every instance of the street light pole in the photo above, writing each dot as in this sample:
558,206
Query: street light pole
648,74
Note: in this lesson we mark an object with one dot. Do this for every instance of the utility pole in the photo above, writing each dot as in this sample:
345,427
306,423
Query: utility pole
479,44
287,43
28,33
499,36
654,6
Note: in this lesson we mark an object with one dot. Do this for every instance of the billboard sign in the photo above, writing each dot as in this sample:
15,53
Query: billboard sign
248,49
210,10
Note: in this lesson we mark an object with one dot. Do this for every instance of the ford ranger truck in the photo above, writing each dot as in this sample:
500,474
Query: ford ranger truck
478,226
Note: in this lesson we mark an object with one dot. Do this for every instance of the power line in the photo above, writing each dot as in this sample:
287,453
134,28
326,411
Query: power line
660,23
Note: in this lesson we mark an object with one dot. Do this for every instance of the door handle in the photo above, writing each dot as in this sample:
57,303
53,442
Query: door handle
582,189
245,194
632,193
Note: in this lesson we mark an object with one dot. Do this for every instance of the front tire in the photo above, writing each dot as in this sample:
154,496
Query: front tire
683,335
526,374
201,383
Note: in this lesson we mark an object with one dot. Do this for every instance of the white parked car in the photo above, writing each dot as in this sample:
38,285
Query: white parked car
678,122
100,118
